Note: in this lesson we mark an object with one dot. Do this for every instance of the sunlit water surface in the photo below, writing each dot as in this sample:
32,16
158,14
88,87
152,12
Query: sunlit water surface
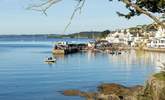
24,75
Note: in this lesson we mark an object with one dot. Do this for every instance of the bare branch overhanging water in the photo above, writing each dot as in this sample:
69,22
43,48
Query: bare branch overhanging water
44,6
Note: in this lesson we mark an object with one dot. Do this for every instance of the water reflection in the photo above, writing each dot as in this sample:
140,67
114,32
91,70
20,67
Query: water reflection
59,56
150,57
90,55
127,58
142,58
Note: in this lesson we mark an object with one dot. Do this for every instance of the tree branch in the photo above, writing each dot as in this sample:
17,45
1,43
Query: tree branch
136,7
79,7
43,7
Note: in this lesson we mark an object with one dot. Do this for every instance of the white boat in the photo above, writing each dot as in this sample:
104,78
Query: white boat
50,60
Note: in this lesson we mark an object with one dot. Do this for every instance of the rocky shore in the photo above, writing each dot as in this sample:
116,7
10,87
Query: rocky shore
154,89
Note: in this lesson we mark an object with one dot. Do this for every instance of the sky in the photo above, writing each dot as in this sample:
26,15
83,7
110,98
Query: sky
96,15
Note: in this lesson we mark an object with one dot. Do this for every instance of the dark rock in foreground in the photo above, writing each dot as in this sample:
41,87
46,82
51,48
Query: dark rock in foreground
71,92
110,91
112,88
153,90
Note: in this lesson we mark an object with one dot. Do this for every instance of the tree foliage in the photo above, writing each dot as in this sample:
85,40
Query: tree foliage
151,6
105,33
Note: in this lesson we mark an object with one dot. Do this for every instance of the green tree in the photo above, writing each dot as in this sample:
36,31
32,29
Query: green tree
146,7
105,33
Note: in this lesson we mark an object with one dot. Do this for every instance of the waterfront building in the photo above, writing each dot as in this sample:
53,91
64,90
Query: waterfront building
160,32
91,44
113,37
159,40
157,43
120,37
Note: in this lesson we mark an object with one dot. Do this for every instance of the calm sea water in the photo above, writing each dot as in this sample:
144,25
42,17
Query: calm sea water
24,75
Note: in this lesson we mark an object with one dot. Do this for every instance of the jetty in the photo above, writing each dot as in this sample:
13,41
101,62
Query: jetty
68,48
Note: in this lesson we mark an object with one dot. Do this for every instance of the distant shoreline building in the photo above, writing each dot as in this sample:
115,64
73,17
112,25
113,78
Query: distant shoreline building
159,40
139,37
120,37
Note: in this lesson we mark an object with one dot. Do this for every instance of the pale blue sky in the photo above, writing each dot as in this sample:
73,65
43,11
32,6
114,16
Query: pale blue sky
97,15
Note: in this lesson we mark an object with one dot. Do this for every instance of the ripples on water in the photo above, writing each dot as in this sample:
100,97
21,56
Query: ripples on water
24,76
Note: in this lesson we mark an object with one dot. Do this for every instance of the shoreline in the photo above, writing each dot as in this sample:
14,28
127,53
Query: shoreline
154,89
154,49
160,50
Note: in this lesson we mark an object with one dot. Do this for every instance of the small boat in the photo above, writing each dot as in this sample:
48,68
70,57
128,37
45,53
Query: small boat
118,53
112,52
50,60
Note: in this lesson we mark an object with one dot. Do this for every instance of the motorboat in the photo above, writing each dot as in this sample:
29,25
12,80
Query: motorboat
50,60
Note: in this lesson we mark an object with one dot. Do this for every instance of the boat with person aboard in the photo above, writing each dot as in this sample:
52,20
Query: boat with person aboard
50,60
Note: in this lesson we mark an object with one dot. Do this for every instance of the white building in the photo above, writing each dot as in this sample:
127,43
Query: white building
113,37
160,33
157,43
159,40
120,37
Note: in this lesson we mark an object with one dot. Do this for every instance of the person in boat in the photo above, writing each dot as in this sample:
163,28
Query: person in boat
50,58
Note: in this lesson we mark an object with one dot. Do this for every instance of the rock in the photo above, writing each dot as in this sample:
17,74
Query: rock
153,90
135,92
112,88
107,97
120,92
72,93
113,97
136,88
110,91
88,94
101,96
